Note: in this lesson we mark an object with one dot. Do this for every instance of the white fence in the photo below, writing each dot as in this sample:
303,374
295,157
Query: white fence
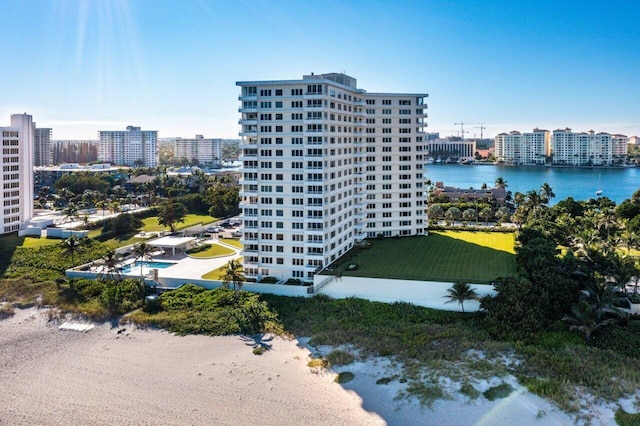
429,294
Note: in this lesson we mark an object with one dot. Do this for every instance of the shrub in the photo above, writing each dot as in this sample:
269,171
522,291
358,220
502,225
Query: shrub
318,363
503,390
6,310
344,377
259,350
191,309
339,357
626,419
199,249
468,390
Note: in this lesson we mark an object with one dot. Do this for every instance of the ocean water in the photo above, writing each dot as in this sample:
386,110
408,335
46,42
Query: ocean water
579,183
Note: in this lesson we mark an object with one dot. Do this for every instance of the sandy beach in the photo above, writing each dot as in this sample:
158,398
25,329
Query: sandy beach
111,375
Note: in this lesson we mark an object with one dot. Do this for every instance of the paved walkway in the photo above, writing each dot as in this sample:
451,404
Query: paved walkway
188,267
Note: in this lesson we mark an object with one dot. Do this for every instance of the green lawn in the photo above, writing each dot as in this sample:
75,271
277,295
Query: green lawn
477,257
151,223
232,242
214,250
33,242
217,273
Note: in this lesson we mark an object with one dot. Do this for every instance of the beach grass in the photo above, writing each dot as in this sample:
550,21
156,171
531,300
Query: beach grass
433,344
471,256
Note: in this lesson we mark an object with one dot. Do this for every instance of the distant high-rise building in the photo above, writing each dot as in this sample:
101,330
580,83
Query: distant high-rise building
588,148
42,147
16,180
131,147
523,148
452,149
204,151
325,165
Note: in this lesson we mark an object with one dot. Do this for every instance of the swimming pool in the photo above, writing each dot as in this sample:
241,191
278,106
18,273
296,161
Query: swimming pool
146,266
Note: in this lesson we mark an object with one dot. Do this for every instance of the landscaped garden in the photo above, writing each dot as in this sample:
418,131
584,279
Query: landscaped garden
478,257
209,250
218,273
151,224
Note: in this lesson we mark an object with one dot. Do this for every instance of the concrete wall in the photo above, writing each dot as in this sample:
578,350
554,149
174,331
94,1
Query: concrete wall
280,290
429,294
65,233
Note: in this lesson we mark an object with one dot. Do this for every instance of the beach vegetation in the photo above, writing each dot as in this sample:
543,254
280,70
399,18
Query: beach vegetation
318,363
500,391
6,310
627,419
340,357
233,275
344,377
469,390
191,309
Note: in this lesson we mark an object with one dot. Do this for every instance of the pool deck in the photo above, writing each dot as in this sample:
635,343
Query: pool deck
188,267
185,266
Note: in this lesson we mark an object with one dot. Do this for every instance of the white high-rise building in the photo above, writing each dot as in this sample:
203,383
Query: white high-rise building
453,149
324,165
205,151
523,148
588,148
131,147
17,173
42,147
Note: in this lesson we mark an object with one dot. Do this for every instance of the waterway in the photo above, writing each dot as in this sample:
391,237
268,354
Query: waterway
617,184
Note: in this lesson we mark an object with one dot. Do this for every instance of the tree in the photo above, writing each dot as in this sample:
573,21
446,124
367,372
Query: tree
435,211
71,246
452,214
486,214
233,274
70,213
171,213
468,215
461,292
111,266
586,319
142,252
546,193
501,182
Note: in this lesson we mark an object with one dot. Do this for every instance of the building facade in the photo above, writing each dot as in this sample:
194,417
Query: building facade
131,147
588,148
204,151
325,165
42,147
453,149
523,148
16,179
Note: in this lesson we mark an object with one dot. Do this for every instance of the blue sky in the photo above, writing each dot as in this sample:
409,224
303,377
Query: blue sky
84,66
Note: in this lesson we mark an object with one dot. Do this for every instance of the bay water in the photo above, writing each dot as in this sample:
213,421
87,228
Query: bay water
617,184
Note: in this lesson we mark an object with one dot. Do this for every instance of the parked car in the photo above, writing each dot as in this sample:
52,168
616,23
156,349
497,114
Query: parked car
213,229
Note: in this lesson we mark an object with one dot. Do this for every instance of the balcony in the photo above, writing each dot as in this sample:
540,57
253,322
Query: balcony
248,97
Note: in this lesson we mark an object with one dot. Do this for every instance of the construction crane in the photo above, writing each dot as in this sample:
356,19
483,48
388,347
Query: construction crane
481,127
461,124
462,131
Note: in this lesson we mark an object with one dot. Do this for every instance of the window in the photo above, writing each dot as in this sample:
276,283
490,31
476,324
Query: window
386,102
278,92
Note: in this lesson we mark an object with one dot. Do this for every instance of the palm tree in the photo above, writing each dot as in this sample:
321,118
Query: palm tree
486,214
468,215
452,214
70,213
534,201
546,193
586,319
142,252
71,246
501,182
233,274
111,266
460,292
